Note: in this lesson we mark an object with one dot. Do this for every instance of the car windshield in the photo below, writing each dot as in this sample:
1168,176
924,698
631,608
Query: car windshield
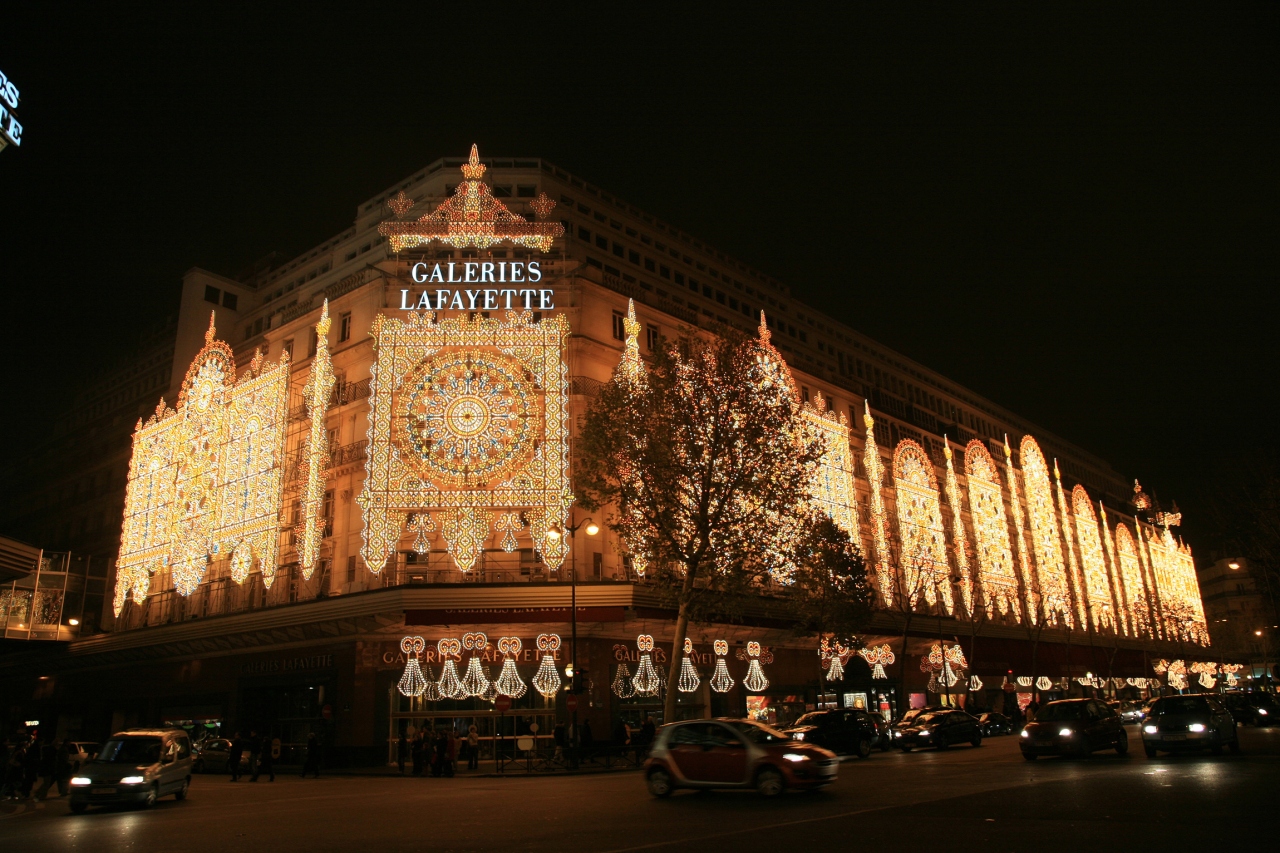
815,718
130,750
1179,705
1056,711
757,733
931,718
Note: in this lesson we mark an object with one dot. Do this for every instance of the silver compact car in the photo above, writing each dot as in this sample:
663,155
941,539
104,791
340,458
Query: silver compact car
137,766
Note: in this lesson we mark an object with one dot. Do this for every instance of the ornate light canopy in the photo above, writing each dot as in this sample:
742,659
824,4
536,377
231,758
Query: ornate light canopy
996,573
923,556
1097,589
470,217
206,479
833,489
1051,571
468,420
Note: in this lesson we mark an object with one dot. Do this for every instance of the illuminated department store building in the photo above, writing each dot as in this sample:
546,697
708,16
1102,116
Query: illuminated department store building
374,442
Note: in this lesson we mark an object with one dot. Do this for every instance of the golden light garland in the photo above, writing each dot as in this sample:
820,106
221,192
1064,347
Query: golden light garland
721,680
959,541
923,556
468,416
1051,571
471,217
1097,586
206,479
316,393
879,519
996,574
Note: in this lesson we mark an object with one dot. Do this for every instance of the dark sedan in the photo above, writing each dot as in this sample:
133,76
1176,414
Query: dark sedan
995,724
845,731
1181,723
939,729
1073,727
1253,709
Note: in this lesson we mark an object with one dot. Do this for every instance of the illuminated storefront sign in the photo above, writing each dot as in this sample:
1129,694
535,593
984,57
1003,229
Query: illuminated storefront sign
9,125
498,272
444,299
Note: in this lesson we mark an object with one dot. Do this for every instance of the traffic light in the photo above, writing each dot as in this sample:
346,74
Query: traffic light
579,681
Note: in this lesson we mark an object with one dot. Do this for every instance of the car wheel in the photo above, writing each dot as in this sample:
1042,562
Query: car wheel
659,783
1122,743
181,793
1150,751
976,740
864,747
769,782
78,807
1029,756
905,748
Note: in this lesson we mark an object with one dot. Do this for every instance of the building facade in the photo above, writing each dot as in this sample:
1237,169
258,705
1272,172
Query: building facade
359,472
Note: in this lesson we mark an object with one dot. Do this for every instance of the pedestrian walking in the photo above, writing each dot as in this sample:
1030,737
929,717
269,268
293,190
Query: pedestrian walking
558,737
402,751
647,731
255,747
13,770
48,761
30,768
313,757
234,755
473,748
63,769
266,761
451,753
415,750
439,748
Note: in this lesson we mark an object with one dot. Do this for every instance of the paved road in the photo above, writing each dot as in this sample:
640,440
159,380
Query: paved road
986,798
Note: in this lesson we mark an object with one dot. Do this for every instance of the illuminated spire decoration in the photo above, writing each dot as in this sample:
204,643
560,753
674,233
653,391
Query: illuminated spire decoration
959,540
689,678
875,477
1074,580
509,682
472,217
316,393
721,680
1031,598
630,369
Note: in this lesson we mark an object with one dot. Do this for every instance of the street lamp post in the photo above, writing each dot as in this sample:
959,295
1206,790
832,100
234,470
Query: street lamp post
554,533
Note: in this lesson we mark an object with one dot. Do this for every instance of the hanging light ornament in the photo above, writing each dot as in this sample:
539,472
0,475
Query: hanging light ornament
689,678
721,680
413,682
646,681
509,682
622,686
878,657
432,691
474,683
421,524
755,680
1043,683
450,684
975,683
490,691
547,680
835,654
835,672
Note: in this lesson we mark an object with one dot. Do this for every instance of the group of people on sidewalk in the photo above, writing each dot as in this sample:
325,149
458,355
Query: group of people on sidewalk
263,753
31,766
436,751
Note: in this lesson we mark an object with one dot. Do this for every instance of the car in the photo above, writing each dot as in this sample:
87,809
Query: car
940,729
213,755
1078,727
135,766
725,753
80,751
908,719
848,731
1253,708
1189,722
993,724
1130,712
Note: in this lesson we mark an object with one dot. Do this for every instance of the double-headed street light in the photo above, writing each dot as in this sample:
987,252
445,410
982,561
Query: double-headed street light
554,533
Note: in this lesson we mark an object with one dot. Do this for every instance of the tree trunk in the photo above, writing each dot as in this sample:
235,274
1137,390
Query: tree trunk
677,650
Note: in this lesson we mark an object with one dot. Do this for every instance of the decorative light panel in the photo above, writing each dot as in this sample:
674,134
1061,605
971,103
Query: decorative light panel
509,682
412,682
833,490
995,567
755,680
878,657
450,684
1097,588
470,217
879,519
1050,568
319,387
207,479
475,682
622,686
468,417
923,556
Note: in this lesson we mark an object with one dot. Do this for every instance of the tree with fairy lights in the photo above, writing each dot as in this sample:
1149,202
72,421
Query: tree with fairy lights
707,461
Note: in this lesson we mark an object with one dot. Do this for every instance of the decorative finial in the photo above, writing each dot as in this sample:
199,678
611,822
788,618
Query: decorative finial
946,448
866,415
1008,454
542,205
400,204
819,402
474,169
1103,510
255,364
212,330
160,408
765,334
1056,474
322,328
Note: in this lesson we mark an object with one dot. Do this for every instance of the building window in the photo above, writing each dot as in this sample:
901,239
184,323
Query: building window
344,327
287,348
618,250
602,242
584,234
351,569
229,300
664,272
619,330
651,337
526,190
597,564
327,511
648,264
634,257
211,294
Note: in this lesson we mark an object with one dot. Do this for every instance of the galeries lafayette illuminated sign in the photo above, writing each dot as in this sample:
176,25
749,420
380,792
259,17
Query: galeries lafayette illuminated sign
479,298
9,125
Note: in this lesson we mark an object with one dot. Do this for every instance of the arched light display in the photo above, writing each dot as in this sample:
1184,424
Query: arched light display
468,417
959,541
1122,621
206,478
1135,597
995,568
923,556
1051,571
1074,583
1097,587
1030,596
833,490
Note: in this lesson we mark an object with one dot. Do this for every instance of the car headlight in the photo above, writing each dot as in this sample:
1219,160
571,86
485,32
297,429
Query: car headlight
1196,727
1262,711
1150,729
798,736
924,733
133,780
1026,733
81,780
897,734
795,756
1065,733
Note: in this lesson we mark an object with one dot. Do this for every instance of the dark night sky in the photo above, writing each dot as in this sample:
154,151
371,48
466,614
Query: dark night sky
1070,212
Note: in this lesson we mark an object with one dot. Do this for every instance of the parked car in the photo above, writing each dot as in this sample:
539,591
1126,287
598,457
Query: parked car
993,724
1073,727
734,754
213,755
909,718
80,751
939,729
1253,708
135,766
848,731
1189,722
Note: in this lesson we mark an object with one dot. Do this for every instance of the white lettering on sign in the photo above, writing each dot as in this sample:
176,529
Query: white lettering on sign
9,125
475,299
